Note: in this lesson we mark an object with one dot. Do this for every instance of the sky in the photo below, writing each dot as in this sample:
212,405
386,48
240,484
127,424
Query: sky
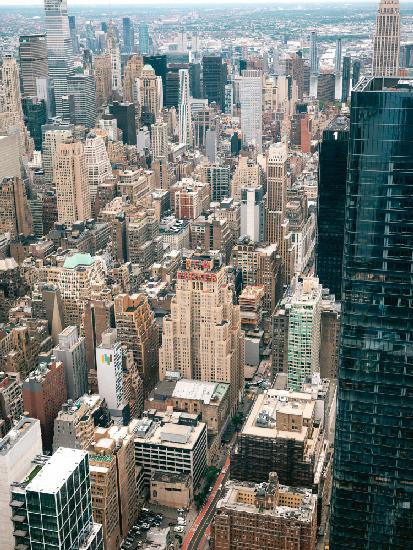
113,3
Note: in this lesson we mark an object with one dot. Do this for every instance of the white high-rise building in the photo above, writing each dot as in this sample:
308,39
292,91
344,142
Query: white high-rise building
71,351
59,48
338,57
252,213
304,326
17,450
250,91
386,45
110,372
98,164
184,107
70,178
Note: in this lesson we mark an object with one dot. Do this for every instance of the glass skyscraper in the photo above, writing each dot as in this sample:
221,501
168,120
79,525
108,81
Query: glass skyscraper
372,499
332,171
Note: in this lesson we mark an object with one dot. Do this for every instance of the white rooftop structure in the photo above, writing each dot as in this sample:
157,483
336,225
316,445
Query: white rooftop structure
56,471
194,389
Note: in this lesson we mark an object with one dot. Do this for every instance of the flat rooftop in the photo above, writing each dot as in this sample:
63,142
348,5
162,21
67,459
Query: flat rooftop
56,471
168,434
261,421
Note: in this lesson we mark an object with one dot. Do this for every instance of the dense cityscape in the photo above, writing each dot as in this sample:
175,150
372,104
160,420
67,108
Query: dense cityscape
206,276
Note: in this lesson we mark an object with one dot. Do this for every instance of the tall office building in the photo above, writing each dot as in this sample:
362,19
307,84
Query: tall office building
81,89
355,77
59,49
338,57
35,116
313,53
252,213
11,112
103,79
373,452
214,79
159,139
32,61
250,92
71,351
98,166
137,329
16,217
133,70
17,450
70,178
56,488
73,34
149,91
386,43
276,221
143,38
332,172
114,52
184,107
346,79
128,35
218,177
124,114
202,337
53,135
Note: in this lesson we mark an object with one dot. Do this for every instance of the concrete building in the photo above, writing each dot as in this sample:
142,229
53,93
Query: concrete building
81,89
76,276
171,446
10,161
283,433
218,177
63,481
184,109
267,515
252,213
98,166
17,450
202,337
138,330
16,217
115,59
44,392
329,336
250,91
71,351
109,372
260,265
11,401
248,173
171,490
113,483
133,70
70,178
149,91
277,225
103,79
32,61
53,135
209,400
75,424
189,198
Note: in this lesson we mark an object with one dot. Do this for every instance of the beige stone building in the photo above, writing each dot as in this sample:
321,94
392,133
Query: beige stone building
71,180
171,490
138,331
202,337
103,78
133,70
247,174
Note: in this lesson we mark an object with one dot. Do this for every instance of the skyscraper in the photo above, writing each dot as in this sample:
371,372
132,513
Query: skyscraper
109,371
59,48
114,52
71,351
128,35
250,91
143,38
202,337
70,178
214,79
98,165
356,72
81,89
345,79
386,44
373,452
338,56
332,172
313,53
184,117
33,62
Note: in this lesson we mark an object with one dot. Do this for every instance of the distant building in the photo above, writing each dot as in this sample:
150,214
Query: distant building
214,79
386,42
32,61
71,351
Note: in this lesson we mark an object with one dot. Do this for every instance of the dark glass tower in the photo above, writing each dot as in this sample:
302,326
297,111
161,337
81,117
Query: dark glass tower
356,72
346,79
128,35
125,117
214,79
331,200
372,498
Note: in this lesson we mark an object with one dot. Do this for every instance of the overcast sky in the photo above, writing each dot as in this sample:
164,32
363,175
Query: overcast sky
113,3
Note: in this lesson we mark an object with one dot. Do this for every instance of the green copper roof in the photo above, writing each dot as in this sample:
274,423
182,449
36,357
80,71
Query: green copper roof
78,259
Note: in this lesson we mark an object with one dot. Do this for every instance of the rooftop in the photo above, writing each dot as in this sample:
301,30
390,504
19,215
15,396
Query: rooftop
167,434
77,260
56,471
16,433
